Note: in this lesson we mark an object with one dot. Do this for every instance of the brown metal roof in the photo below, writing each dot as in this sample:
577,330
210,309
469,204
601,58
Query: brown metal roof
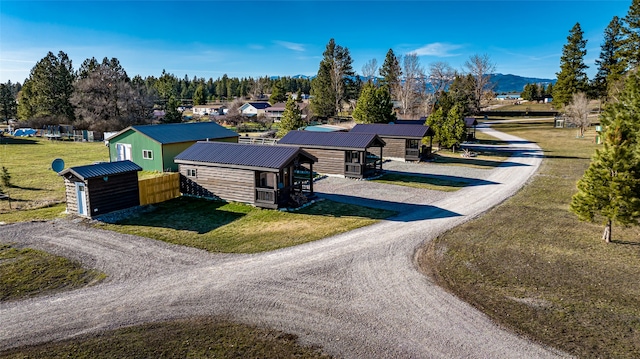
243,155
395,130
332,140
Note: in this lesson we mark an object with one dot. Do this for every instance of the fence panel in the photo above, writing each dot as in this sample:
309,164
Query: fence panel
159,189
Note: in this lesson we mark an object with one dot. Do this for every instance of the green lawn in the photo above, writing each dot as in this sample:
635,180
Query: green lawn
27,272
192,338
238,228
426,182
28,160
533,267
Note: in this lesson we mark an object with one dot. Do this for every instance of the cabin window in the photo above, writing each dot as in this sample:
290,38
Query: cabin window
147,154
413,143
192,172
266,180
353,157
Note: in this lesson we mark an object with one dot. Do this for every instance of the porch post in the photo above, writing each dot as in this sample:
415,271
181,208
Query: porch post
311,177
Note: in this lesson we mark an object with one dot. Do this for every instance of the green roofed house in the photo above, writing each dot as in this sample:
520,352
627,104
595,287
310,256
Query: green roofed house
153,147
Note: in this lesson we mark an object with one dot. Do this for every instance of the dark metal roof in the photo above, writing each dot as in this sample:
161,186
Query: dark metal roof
395,130
470,121
183,132
243,155
421,121
260,105
102,169
332,140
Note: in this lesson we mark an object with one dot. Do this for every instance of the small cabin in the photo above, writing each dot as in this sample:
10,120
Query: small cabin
470,124
348,154
268,176
403,142
100,188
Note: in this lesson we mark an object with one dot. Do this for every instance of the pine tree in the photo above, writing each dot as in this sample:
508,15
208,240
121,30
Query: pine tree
291,118
631,41
611,65
49,90
200,95
8,103
171,113
572,77
610,187
391,73
374,105
278,93
333,81
453,128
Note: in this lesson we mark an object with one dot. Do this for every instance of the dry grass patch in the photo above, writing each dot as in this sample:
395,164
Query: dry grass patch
27,272
238,228
192,338
532,266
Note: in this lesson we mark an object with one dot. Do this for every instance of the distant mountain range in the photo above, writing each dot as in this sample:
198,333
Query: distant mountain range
501,83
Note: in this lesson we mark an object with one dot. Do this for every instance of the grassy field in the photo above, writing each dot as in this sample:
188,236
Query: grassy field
238,228
28,160
26,273
533,267
192,338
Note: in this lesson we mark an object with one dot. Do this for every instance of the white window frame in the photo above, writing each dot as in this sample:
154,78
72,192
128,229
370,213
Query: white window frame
147,154
192,172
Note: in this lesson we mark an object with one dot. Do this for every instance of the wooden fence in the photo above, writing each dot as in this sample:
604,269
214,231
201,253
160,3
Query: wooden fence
159,189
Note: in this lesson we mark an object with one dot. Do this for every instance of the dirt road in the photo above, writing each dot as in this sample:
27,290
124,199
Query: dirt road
357,295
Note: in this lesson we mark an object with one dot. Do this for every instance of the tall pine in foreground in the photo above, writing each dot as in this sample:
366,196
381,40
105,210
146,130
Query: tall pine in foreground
572,77
610,187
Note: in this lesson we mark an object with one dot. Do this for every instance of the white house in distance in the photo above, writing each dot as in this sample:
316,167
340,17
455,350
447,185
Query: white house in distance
251,109
213,110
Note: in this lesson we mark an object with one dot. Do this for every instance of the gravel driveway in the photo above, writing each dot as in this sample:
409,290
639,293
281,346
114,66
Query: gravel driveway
356,295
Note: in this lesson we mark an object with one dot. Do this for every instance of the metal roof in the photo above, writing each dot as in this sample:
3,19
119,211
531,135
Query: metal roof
242,155
395,130
102,169
182,132
332,140
470,121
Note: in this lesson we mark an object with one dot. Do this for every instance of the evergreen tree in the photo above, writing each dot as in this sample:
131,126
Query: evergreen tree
8,103
333,81
453,129
374,105
631,41
49,90
436,121
610,187
200,95
278,93
572,77
291,118
611,65
391,73
5,178
299,95
171,113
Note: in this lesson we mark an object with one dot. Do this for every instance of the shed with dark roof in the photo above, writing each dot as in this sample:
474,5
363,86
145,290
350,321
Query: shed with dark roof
470,124
404,141
348,154
269,176
153,147
101,188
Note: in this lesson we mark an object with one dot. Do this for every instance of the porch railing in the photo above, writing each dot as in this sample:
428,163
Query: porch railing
266,195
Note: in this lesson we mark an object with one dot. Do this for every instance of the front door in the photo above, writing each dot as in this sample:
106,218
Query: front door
82,198
124,151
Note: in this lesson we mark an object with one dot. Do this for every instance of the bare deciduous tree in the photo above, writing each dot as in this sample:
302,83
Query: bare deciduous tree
440,76
577,112
481,68
413,89
370,69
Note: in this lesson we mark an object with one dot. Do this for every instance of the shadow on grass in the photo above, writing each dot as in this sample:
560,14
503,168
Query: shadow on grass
185,213
434,179
17,141
628,243
408,212
26,188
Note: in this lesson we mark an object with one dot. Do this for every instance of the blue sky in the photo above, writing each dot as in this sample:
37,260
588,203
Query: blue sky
257,38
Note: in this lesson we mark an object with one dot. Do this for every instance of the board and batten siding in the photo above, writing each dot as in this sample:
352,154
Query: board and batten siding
329,161
116,193
229,184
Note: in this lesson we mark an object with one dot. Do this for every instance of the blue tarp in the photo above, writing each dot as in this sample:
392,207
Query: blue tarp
23,132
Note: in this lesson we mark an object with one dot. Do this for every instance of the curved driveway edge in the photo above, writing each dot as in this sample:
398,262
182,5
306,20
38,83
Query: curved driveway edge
356,295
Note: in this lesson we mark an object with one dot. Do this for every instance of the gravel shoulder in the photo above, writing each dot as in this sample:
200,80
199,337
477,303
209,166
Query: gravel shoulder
358,294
